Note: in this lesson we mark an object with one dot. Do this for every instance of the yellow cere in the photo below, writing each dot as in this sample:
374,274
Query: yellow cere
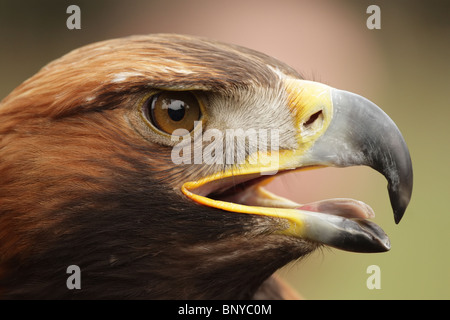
306,98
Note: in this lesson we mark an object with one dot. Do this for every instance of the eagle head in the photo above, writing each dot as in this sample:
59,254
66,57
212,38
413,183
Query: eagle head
143,161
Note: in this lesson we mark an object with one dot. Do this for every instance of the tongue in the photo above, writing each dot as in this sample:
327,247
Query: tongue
347,208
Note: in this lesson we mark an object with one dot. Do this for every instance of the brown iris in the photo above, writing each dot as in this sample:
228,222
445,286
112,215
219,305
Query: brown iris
171,110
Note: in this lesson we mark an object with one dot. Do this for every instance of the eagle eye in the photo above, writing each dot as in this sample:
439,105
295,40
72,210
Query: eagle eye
172,110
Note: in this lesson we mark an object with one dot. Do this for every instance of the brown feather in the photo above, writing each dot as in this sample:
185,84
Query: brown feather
80,185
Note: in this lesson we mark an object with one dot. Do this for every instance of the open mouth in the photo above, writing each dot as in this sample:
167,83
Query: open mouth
253,193
352,131
339,222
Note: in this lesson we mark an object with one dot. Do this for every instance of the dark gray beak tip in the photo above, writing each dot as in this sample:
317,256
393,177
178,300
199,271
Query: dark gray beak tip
366,237
400,201
398,215
400,193
379,240
399,211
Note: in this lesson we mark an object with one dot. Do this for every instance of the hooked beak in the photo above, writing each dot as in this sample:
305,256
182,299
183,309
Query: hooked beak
362,134
334,128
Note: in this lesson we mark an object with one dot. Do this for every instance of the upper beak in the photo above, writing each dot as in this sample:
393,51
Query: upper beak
334,128
362,134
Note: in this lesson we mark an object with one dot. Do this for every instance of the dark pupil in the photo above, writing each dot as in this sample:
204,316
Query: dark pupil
176,110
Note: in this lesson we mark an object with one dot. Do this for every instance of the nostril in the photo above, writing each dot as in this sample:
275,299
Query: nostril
313,125
313,118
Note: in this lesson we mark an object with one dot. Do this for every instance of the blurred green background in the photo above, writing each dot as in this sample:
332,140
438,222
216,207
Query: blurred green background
404,68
